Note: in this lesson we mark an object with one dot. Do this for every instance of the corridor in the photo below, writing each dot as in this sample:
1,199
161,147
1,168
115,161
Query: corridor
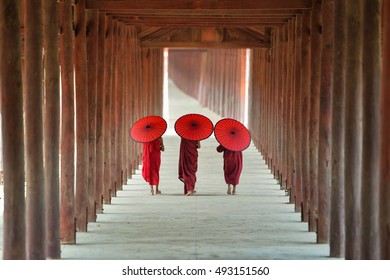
257,223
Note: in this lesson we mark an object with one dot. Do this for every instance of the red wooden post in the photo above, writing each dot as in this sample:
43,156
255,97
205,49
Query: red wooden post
107,187
370,241
14,234
325,124
290,141
52,129
385,137
80,60
306,70
337,223
35,194
67,211
298,115
113,163
99,113
92,22
119,107
353,129
316,26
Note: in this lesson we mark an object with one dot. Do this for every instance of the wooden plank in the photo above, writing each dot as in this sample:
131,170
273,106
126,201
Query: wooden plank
52,128
67,211
11,88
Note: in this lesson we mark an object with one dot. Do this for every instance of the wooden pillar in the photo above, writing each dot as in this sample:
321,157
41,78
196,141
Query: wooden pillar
385,137
125,107
113,136
118,107
337,223
80,61
371,129
353,129
306,70
277,90
92,22
291,154
316,29
106,112
52,129
131,93
298,115
99,113
11,88
67,211
325,123
35,192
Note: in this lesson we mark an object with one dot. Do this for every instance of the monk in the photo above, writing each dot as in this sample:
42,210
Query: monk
188,164
151,161
232,167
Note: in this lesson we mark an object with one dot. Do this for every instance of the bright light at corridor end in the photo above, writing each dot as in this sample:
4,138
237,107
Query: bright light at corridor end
165,87
166,93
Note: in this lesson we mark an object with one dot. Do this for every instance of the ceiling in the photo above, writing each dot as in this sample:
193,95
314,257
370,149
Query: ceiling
203,23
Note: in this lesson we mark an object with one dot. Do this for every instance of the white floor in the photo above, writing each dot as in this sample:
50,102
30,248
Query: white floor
257,223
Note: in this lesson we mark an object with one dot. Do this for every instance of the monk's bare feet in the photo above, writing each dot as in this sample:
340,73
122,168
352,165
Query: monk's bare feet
229,190
234,191
189,193
158,192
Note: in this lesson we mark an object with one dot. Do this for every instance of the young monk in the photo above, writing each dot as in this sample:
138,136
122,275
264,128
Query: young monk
151,161
232,167
188,164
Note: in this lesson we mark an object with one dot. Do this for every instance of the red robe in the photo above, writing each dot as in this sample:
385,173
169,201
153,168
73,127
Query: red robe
188,163
151,161
232,165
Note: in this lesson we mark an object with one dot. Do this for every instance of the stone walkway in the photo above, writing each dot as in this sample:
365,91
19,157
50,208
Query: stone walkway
257,223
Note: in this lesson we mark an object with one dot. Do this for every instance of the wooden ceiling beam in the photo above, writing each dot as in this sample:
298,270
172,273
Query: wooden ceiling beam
238,13
203,45
198,4
203,22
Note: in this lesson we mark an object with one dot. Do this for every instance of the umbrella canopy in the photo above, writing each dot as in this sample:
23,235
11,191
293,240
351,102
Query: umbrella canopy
232,134
148,129
194,127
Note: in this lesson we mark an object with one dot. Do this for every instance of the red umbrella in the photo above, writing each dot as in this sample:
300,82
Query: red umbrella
148,129
194,127
232,134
